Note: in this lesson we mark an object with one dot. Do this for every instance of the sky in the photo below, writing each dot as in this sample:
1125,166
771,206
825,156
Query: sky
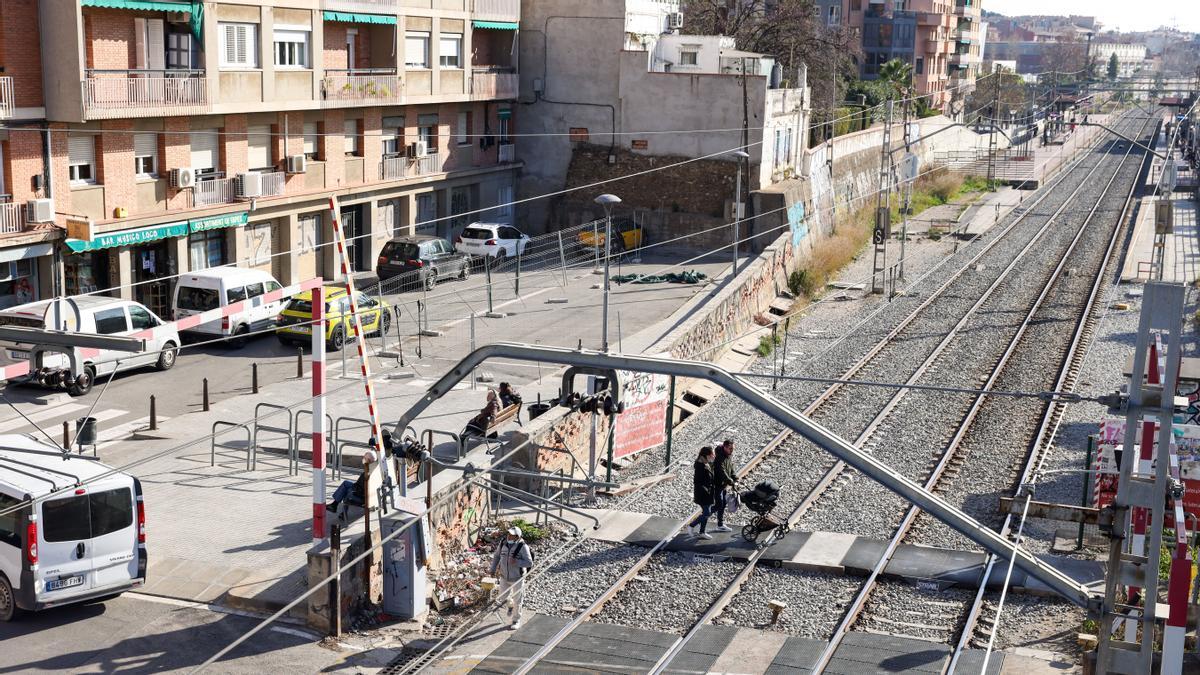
1124,15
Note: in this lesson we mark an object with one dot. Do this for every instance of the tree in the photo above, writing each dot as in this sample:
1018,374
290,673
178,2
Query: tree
1113,66
897,77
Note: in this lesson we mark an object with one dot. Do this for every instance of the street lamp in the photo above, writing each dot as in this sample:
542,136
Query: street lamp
607,201
738,156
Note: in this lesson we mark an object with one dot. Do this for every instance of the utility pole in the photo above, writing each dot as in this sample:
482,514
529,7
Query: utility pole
883,206
993,114
908,188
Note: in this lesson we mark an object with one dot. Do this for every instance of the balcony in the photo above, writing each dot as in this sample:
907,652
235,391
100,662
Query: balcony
401,167
507,153
6,98
109,94
12,216
496,10
488,84
366,6
213,192
345,88
273,184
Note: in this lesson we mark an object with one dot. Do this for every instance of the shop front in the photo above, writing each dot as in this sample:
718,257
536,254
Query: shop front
208,239
21,273
144,257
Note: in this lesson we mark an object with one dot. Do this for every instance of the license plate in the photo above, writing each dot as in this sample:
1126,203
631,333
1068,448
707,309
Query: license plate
17,354
57,584
306,330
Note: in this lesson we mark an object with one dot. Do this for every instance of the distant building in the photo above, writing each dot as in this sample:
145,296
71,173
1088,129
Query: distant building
1130,57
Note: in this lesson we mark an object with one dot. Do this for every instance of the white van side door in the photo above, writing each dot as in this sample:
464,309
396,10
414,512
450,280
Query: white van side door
141,319
112,320
271,310
64,544
11,531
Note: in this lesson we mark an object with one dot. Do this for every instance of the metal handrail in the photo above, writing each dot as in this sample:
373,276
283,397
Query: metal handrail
429,433
213,445
501,489
293,454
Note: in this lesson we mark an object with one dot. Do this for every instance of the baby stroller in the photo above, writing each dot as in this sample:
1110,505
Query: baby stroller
761,500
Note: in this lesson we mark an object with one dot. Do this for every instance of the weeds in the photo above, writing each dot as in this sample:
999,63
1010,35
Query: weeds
767,344
530,532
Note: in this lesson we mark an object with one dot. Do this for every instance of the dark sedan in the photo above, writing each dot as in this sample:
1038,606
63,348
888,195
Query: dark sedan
421,260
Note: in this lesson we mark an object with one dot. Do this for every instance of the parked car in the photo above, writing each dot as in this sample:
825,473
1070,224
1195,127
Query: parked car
71,543
424,258
220,287
497,240
94,314
295,321
631,235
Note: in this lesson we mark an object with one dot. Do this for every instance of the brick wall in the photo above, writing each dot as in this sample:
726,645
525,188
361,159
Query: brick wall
333,147
114,155
109,39
700,187
234,157
286,147
370,143
58,166
175,151
335,53
19,53
22,161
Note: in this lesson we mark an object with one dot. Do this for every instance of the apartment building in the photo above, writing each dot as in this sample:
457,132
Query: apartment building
191,134
1130,57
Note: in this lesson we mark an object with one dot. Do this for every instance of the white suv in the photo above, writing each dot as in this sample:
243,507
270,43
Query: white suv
497,240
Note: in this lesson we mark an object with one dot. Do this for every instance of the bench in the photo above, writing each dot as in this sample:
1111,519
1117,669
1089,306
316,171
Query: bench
499,419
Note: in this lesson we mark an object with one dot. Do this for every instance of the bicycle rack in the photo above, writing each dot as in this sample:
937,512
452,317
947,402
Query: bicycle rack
330,441
213,445
338,444
293,456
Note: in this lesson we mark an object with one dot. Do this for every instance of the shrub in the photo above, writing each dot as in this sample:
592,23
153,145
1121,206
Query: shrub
943,185
529,531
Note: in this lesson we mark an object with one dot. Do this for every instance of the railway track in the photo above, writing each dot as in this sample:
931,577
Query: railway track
1027,231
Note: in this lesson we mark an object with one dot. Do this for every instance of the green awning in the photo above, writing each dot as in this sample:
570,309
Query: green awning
504,114
129,237
144,5
217,222
355,17
498,25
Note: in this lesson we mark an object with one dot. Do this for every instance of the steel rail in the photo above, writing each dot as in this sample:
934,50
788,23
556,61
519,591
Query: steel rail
814,494
1052,416
859,603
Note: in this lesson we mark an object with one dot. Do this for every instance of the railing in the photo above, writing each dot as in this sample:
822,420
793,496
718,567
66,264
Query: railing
499,10
12,218
393,168
217,191
368,6
272,184
508,153
6,97
125,93
426,165
491,84
361,87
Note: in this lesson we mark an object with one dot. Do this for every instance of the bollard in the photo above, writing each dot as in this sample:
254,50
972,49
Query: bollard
299,363
153,414
335,588
253,378
205,405
487,271
66,435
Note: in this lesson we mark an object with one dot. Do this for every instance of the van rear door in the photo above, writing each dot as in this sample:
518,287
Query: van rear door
64,544
114,536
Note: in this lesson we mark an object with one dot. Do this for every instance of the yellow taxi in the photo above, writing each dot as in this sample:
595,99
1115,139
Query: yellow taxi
295,321
631,235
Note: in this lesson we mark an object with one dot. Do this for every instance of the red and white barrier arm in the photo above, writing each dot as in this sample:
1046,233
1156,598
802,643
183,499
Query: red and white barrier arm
318,412
1178,588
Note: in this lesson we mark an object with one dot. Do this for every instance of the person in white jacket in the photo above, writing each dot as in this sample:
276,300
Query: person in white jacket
512,559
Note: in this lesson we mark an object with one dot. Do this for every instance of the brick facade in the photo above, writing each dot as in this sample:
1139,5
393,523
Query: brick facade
22,161
175,151
21,60
110,39
114,157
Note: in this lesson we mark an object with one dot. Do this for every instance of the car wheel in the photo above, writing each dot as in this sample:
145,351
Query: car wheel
166,358
337,339
501,257
8,601
618,246
385,321
83,383
465,272
238,339
430,280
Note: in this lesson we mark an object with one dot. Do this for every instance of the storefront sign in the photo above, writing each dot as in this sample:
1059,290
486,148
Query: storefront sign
1186,438
218,222
83,229
643,424
129,237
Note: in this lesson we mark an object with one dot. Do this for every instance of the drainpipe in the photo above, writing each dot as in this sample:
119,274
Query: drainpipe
48,185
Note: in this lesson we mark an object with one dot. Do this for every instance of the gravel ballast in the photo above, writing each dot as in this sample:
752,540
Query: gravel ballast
670,593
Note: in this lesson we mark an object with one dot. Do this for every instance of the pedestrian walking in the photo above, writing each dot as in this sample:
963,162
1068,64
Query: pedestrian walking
724,478
702,492
512,560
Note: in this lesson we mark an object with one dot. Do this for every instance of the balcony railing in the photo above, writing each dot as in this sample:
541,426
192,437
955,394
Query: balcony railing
368,6
6,98
394,168
401,167
361,87
272,184
508,153
210,192
132,93
496,10
12,217
424,166
490,84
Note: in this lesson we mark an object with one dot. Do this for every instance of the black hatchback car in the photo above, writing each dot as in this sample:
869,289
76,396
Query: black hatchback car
421,260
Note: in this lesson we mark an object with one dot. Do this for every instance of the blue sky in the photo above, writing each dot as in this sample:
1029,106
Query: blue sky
1123,15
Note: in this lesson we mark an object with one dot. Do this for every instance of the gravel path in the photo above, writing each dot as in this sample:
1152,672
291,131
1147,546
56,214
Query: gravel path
576,582
670,594
796,589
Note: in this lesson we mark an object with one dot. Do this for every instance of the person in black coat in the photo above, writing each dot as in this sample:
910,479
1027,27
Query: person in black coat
702,492
724,477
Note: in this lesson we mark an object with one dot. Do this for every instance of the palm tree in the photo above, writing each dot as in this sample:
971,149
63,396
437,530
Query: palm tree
897,77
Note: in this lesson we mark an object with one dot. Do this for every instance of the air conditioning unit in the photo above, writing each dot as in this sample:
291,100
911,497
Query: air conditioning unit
675,21
249,185
296,164
179,17
183,178
39,211
418,149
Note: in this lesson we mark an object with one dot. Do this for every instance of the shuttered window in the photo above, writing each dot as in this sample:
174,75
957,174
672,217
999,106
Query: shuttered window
450,50
351,131
145,155
393,135
148,44
239,45
310,140
205,156
416,50
258,146
81,156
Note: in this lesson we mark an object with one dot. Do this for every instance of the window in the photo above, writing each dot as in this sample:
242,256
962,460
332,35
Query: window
273,286
254,290
310,140
112,511
291,48
81,158
393,136
416,50
426,213
9,521
835,15
504,199
427,131
505,127
258,147
87,516
149,50
235,294
145,155
463,128
450,50
205,152
205,249
351,132
688,57
198,299
310,233
919,68
140,318
239,45
111,321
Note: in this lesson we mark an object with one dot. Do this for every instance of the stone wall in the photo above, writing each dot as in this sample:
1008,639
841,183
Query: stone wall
457,521
700,187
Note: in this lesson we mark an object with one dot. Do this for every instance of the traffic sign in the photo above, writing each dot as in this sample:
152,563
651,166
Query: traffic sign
909,166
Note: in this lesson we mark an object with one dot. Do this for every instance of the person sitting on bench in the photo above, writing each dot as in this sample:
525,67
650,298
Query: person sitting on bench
353,493
508,395
479,424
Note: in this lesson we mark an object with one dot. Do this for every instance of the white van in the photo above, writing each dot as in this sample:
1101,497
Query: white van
94,314
208,289
82,537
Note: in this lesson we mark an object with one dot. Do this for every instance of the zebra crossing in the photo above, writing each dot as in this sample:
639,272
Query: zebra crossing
114,424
